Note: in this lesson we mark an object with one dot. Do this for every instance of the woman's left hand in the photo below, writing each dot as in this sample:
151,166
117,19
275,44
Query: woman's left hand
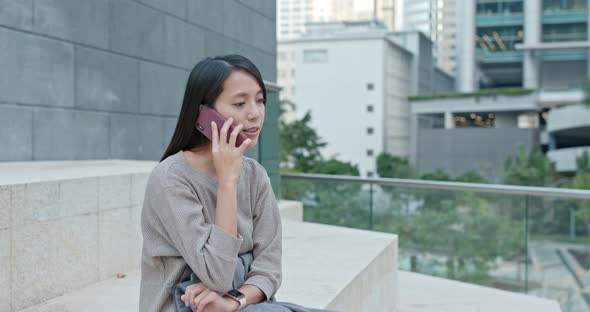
206,300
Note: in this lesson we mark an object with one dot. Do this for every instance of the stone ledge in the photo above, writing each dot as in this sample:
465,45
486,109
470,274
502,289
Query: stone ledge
423,293
291,210
45,171
323,267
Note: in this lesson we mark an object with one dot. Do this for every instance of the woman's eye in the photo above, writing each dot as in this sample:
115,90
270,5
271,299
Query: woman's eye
240,104
261,101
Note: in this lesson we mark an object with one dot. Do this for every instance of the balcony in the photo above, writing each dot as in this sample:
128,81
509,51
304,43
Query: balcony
498,56
565,16
525,240
568,117
565,55
565,158
484,20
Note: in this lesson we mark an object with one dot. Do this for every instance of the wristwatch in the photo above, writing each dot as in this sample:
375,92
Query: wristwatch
237,296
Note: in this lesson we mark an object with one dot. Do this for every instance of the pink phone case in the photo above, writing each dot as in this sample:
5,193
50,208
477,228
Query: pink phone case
203,124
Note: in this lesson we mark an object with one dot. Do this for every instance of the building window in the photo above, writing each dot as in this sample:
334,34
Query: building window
370,86
370,108
292,72
370,174
370,130
369,152
315,56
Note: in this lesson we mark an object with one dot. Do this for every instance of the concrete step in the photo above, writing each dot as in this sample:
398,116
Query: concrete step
323,267
422,293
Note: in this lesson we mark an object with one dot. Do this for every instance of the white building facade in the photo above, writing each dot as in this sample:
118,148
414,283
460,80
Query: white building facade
355,80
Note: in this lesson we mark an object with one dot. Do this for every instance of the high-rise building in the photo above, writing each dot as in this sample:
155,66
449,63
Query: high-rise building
542,46
437,20
294,15
524,43
355,78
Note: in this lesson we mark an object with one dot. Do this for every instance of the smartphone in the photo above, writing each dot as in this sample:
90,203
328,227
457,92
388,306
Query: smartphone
203,124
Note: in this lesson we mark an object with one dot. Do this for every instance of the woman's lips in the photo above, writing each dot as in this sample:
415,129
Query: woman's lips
251,133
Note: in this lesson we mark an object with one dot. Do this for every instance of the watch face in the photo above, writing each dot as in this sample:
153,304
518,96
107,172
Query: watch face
236,293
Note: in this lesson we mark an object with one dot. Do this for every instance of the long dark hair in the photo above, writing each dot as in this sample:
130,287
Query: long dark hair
204,85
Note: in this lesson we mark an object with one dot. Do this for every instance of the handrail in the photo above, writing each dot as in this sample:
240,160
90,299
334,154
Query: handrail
443,185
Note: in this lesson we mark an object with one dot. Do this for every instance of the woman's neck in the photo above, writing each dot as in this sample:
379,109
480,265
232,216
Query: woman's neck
201,159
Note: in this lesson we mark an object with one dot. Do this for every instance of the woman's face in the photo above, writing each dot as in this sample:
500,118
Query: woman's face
243,100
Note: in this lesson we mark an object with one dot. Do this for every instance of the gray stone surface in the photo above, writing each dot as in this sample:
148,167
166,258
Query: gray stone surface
161,89
264,62
200,13
136,137
84,21
310,281
78,134
5,206
264,7
21,173
291,210
264,37
17,137
52,258
35,202
168,131
17,14
137,30
78,196
241,25
120,242
138,184
5,247
216,44
35,70
113,56
175,7
50,200
106,81
114,191
184,43
423,293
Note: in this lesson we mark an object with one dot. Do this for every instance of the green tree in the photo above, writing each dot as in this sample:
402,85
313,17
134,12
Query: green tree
300,145
336,203
437,175
586,89
547,215
582,181
389,166
337,167
470,176
531,169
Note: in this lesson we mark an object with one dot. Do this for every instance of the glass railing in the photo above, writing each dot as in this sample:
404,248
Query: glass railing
524,239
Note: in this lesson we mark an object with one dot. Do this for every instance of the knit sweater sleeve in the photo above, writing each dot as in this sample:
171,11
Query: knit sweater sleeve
265,270
210,251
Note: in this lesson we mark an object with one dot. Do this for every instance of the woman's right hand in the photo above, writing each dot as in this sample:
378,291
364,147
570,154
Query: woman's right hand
227,158
205,300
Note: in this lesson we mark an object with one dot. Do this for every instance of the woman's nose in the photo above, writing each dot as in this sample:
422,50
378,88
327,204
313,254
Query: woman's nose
253,112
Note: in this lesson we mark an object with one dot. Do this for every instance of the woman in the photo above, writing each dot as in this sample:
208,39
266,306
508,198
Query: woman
206,205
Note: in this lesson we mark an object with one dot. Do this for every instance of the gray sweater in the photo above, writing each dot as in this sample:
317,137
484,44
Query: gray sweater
178,228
